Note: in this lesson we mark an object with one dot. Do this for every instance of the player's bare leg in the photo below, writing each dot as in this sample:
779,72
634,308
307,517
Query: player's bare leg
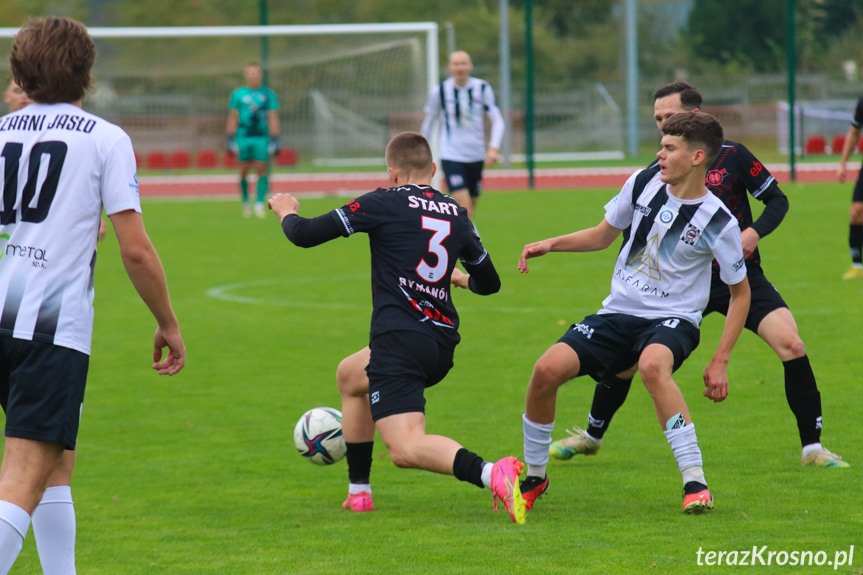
410,447
656,364
27,464
557,365
353,382
358,428
779,330
54,523
462,196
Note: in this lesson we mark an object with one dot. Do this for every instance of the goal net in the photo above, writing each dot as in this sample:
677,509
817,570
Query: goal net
823,118
343,90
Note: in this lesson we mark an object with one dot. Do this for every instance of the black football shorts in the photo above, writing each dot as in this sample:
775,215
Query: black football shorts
608,344
402,365
463,176
42,390
765,297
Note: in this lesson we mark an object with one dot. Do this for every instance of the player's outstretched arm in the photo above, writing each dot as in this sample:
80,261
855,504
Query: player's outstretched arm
589,240
305,233
716,374
147,275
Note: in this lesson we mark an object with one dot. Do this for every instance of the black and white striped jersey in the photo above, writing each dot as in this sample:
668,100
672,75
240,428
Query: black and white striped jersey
664,265
60,165
460,113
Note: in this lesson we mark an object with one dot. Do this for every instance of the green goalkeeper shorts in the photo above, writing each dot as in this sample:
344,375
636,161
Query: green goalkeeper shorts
255,148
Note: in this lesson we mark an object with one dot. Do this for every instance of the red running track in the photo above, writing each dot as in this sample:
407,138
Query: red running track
360,182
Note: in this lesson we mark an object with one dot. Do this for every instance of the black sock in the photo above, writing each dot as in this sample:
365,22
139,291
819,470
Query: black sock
693,487
610,394
467,466
804,399
855,242
359,461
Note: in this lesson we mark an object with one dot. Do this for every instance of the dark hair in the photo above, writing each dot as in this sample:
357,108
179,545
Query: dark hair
52,58
411,152
690,97
697,129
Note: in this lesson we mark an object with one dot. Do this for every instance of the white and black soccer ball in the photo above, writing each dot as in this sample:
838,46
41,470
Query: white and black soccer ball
318,436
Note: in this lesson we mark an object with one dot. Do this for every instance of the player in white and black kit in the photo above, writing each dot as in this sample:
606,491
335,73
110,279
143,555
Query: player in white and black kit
855,231
62,165
415,236
459,104
734,175
673,228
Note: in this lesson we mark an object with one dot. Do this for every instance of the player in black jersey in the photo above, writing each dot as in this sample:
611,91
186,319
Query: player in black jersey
734,173
415,235
855,232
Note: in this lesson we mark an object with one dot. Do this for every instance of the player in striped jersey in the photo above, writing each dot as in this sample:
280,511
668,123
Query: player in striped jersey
460,104
62,166
734,175
673,228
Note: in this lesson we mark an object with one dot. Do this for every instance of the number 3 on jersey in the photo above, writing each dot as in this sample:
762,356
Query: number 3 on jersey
441,229
50,176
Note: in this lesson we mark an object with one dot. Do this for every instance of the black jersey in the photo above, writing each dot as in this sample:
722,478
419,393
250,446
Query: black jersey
857,121
415,236
734,174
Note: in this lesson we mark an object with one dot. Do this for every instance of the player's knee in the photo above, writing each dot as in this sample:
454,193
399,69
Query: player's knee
547,374
857,213
653,372
794,347
401,456
351,381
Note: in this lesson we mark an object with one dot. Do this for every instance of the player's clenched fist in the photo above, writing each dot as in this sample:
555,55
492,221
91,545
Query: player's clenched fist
284,204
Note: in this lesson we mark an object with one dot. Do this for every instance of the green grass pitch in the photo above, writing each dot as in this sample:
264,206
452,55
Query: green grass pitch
198,473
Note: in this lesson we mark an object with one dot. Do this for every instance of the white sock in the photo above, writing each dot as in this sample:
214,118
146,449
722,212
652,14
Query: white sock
807,449
359,488
486,473
694,474
54,528
684,445
14,523
537,439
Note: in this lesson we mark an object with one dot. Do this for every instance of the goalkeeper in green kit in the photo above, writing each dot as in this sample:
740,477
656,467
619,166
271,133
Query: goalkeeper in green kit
253,134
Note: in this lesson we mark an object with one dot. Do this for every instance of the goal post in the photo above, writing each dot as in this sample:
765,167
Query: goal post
343,89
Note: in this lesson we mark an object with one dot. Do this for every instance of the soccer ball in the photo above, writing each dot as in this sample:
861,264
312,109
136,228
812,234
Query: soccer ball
318,436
